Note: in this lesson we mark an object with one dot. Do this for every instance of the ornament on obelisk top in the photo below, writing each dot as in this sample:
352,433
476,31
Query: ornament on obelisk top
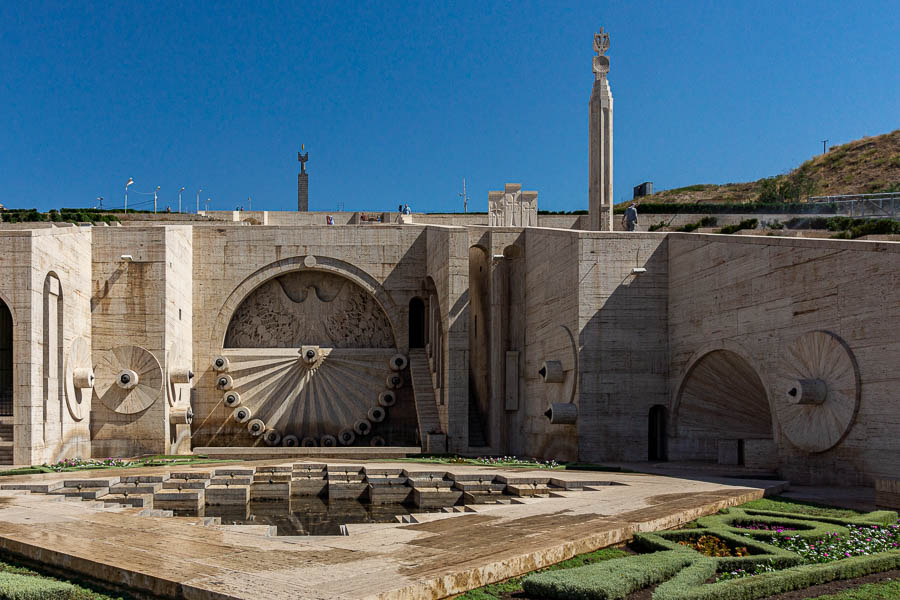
601,46
600,127
303,181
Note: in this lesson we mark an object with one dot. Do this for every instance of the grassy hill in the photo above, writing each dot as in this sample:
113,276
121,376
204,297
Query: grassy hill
865,166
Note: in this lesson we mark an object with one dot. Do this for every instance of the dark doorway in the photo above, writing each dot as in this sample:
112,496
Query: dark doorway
6,361
656,434
416,323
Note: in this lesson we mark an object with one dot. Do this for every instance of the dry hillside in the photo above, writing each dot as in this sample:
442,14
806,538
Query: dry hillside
865,166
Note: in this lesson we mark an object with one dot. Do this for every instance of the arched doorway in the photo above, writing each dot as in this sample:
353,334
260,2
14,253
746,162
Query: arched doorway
656,434
6,361
416,323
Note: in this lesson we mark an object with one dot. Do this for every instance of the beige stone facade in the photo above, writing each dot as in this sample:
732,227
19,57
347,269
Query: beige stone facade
547,342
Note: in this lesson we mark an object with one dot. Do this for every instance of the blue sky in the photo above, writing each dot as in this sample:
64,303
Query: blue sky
397,102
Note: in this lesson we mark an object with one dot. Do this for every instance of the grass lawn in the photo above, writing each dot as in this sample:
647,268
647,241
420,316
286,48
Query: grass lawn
21,583
495,591
781,504
159,460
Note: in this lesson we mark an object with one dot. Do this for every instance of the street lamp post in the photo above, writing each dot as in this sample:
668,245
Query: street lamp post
179,199
155,192
130,181
198,200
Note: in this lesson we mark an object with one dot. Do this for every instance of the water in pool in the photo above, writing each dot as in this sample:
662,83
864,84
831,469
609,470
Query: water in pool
308,516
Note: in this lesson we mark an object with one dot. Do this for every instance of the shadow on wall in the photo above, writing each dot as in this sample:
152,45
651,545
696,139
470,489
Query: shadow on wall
721,413
624,352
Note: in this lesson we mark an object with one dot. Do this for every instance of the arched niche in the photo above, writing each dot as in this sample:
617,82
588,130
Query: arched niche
722,412
6,360
417,323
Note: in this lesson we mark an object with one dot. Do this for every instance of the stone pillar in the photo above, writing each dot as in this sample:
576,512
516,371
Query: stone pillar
601,140
303,192
303,181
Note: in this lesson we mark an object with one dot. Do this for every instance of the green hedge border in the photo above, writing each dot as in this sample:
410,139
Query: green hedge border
615,579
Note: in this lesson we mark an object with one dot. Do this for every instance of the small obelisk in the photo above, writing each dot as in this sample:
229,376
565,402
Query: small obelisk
303,182
601,140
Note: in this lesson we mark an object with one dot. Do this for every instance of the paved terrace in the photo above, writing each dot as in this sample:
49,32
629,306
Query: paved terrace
442,554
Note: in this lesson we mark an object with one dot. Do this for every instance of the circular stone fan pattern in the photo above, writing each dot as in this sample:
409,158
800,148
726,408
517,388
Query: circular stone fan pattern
111,363
79,356
818,394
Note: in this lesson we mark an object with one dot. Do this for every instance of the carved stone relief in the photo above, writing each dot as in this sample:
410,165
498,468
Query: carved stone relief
309,308
512,207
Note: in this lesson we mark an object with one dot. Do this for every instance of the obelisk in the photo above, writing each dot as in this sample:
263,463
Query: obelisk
601,140
303,182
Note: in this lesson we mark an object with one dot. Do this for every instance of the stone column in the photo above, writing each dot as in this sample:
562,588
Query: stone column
303,192
601,140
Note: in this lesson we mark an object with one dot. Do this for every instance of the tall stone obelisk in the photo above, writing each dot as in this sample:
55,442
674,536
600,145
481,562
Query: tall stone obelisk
303,182
601,140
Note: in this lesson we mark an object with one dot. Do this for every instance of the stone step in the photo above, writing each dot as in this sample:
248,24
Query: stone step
238,473
275,469
136,500
185,484
85,493
143,478
346,477
271,478
390,494
135,488
221,495
190,475
478,487
527,490
384,473
92,483
231,481
271,491
523,479
302,487
37,488
185,500
348,490
435,498
431,483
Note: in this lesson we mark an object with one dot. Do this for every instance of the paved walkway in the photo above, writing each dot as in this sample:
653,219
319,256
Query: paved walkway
441,555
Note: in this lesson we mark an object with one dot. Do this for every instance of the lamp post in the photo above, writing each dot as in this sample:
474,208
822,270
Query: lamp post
179,199
155,192
198,200
207,205
130,181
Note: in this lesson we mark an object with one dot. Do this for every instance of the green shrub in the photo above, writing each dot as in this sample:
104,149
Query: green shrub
745,224
609,580
650,208
689,583
657,226
14,586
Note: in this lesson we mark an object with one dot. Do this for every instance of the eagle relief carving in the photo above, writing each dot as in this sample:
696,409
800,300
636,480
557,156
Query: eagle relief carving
309,308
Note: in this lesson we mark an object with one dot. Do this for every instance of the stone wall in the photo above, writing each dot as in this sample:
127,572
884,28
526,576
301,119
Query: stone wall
45,282
756,296
388,262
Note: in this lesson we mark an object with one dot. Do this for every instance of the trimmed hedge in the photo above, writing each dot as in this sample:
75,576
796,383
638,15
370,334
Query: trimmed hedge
14,586
609,580
682,573
688,584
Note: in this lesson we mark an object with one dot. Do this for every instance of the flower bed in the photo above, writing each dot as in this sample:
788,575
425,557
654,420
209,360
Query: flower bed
739,555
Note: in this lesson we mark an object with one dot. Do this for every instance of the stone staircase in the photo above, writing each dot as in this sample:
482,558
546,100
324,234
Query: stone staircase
6,440
187,492
423,387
